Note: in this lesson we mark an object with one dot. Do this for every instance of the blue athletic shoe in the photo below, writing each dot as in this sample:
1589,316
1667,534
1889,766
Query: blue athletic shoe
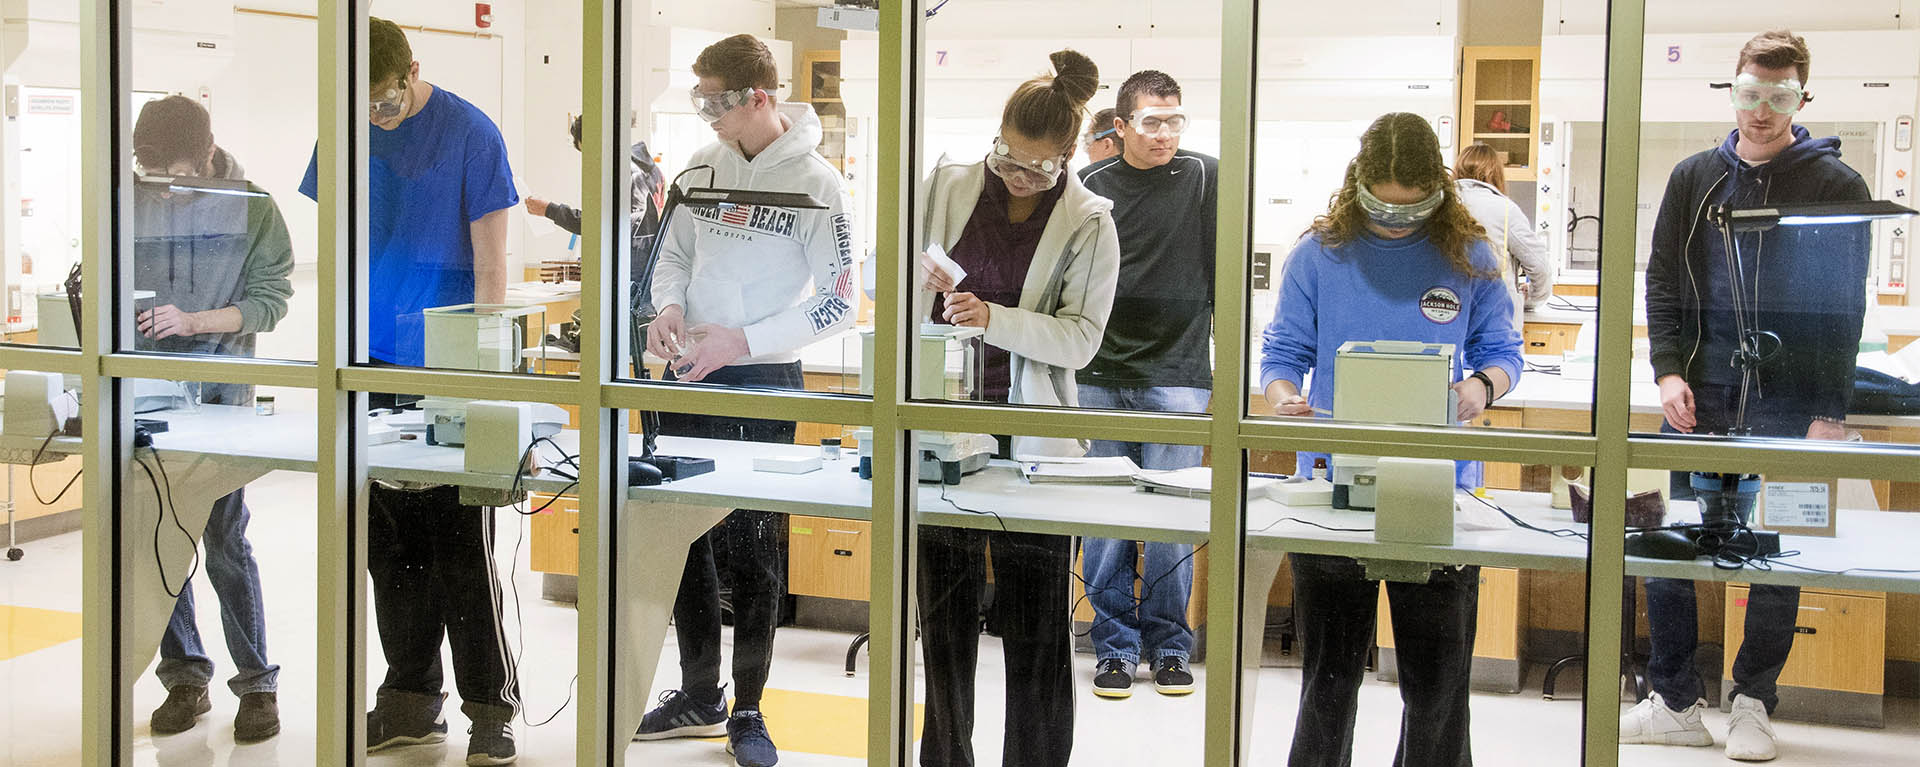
680,716
748,742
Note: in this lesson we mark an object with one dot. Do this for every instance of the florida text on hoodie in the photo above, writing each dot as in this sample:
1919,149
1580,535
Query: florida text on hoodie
1806,284
784,276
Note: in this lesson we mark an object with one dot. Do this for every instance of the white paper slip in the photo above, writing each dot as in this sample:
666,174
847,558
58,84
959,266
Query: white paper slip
1301,491
948,266
1117,470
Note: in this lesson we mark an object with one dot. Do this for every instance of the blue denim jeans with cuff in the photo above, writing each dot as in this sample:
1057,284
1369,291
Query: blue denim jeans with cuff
1154,625
230,567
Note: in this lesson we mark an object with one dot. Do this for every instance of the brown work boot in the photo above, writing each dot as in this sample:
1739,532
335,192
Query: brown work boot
258,718
183,707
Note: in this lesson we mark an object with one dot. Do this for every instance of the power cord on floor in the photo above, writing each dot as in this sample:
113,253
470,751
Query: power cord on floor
513,564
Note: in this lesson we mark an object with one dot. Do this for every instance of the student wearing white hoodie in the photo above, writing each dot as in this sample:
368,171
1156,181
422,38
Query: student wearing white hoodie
740,292
1042,258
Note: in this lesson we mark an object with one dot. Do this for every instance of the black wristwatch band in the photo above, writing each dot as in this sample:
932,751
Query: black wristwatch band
1485,380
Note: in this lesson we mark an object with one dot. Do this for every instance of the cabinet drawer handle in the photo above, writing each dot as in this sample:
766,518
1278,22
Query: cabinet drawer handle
843,532
843,552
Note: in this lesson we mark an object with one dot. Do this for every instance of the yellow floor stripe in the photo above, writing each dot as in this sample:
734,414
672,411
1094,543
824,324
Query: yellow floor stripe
26,629
817,723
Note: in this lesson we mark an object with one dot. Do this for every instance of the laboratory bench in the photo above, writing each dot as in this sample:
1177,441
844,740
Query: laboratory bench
220,449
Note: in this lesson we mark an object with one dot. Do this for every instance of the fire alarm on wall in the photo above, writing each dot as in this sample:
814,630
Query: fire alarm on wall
483,15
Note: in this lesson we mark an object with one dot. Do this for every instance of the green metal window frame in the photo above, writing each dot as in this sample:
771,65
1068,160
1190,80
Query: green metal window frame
608,46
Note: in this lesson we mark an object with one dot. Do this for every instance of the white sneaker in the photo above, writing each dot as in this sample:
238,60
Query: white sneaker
1749,731
1653,722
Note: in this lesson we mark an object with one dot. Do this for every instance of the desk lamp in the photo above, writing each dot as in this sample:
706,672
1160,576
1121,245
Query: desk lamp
1727,500
728,202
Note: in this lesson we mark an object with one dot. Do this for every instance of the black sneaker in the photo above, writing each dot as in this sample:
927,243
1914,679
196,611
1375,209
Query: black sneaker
680,716
1113,678
258,718
405,719
490,743
183,707
1171,676
748,741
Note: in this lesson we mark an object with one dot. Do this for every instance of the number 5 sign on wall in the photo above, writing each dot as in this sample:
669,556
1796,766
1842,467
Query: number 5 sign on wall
1673,54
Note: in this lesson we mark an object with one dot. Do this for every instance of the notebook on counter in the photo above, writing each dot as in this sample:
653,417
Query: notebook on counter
1112,470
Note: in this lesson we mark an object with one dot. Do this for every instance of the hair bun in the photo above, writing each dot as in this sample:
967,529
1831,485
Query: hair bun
1075,76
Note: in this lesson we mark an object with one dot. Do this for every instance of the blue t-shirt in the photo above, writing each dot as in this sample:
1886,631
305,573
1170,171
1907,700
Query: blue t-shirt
429,179
1375,289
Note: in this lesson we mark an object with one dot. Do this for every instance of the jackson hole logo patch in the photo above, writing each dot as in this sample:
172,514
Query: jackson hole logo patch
1440,304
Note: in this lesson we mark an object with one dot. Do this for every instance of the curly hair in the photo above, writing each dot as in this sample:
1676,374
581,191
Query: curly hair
1401,147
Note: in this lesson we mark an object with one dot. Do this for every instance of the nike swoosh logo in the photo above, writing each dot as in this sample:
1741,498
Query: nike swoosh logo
1175,173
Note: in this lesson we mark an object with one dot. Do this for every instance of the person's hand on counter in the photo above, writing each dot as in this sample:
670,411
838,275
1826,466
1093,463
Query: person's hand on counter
1676,400
1471,395
1286,400
1827,430
164,321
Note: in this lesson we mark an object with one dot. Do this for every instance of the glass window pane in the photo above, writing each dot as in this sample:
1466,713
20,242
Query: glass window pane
41,592
1042,581
222,248
751,523
217,524
1778,614
1077,243
1791,327
757,284
468,514
41,224
1477,106
1413,573
454,279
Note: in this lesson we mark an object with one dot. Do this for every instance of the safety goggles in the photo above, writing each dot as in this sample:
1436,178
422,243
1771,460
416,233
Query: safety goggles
1784,97
389,104
713,106
1395,216
1153,122
1039,174
1092,137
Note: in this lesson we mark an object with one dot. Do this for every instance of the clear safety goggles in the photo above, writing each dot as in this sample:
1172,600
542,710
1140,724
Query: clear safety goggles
1153,122
388,104
1092,137
1395,216
1784,97
1040,174
713,106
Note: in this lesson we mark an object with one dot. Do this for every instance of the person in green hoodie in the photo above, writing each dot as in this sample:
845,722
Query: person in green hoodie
217,259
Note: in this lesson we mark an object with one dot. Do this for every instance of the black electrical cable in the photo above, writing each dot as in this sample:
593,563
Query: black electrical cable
165,501
1558,532
35,463
520,624
1146,591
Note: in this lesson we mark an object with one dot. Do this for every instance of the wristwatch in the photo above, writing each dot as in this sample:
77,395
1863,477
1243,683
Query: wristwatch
1485,380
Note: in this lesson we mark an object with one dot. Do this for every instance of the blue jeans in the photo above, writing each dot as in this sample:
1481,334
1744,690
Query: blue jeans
1673,630
1155,625
243,620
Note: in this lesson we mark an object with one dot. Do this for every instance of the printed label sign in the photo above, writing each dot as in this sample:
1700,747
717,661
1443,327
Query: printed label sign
1798,504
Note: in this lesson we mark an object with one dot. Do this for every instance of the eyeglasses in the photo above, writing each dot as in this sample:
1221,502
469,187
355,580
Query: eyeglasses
389,104
1092,137
1152,121
1784,97
713,106
1041,174
1398,215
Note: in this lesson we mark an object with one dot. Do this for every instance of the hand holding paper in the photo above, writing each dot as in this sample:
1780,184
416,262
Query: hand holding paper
939,272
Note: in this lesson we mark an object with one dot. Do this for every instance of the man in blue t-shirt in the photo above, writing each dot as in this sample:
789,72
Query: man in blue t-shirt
439,192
